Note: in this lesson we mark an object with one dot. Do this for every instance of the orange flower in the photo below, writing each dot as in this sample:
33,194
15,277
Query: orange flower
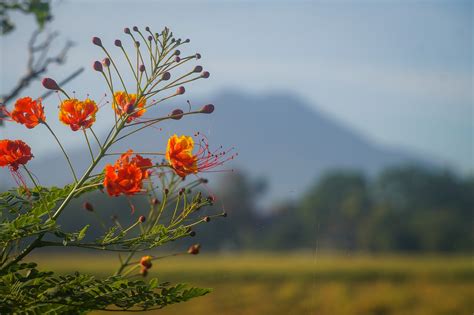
27,112
179,154
77,114
127,174
14,153
127,104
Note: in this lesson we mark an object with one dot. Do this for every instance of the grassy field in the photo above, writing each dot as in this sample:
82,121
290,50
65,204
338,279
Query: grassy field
249,284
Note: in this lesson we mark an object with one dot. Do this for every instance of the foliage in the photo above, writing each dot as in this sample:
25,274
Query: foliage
24,289
39,8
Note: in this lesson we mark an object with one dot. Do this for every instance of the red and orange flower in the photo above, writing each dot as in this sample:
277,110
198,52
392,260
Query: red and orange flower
14,153
77,114
179,153
27,112
127,104
126,176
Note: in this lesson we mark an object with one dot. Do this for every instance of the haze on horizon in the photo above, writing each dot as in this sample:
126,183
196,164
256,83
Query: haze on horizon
399,74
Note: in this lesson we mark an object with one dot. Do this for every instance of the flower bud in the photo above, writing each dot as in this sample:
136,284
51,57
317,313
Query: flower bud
204,180
177,59
106,62
50,84
145,261
177,52
165,76
182,191
126,30
205,74
180,90
118,43
135,29
197,69
141,219
167,191
142,68
224,214
194,249
207,109
88,206
155,201
197,56
177,114
210,199
97,66
150,38
207,219
96,41
187,40
129,108
192,234
137,44
147,29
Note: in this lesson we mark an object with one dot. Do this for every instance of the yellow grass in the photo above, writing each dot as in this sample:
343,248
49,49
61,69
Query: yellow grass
323,284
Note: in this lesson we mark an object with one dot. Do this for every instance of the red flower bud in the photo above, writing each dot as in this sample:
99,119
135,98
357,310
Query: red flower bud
205,74
207,219
150,38
96,41
197,69
97,66
145,261
141,68
155,201
106,62
177,59
165,76
177,114
50,84
141,218
88,206
144,272
126,30
180,90
118,43
207,109
129,108
135,29
194,249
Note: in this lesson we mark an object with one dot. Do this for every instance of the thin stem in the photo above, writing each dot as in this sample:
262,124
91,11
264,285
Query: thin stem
62,149
95,136
88,144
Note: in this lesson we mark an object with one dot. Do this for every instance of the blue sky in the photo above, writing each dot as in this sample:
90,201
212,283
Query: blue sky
398,72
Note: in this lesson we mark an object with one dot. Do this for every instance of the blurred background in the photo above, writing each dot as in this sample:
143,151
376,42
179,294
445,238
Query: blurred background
353,191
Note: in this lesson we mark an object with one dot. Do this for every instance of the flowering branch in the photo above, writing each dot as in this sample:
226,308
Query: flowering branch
171,216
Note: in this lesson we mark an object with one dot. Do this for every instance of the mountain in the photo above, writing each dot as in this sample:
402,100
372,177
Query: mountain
278,137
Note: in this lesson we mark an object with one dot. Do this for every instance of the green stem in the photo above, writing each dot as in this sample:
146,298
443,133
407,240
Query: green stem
88,145
64,151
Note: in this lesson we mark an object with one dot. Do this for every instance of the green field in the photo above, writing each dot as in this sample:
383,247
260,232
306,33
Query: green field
306,284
